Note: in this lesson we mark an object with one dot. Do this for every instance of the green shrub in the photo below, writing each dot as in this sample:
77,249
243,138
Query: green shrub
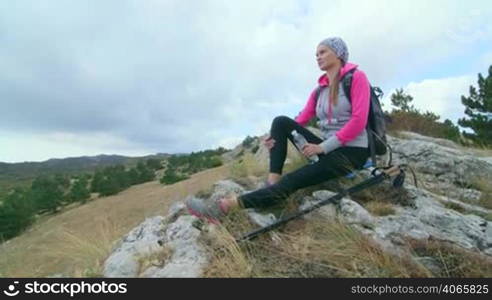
79,191
407,118
425,124
153,164
16,214
170,177
248,141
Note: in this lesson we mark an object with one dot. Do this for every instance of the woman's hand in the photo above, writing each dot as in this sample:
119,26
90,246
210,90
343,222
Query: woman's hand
311,149
269,142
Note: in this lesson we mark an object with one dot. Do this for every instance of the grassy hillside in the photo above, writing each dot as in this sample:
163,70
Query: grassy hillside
50,193
67,165
76,242
21,174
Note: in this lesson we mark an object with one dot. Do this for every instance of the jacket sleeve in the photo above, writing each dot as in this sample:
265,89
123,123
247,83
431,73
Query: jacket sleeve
309,110
360,96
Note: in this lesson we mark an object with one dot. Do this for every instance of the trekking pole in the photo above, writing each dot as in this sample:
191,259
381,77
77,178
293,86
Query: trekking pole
385,174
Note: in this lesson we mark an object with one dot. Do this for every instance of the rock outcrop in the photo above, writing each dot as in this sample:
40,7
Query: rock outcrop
176,236
427,218
442,166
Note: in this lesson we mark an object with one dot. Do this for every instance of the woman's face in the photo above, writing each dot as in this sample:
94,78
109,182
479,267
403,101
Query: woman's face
325,57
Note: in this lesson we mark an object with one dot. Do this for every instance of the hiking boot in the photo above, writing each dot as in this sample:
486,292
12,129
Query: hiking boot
212,211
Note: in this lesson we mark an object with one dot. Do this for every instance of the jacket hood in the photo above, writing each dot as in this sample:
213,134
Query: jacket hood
323,79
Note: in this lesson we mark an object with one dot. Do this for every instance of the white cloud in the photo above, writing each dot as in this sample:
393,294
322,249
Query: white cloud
18,148
177,76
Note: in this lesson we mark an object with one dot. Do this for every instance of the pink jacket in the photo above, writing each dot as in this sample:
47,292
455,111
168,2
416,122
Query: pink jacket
359,96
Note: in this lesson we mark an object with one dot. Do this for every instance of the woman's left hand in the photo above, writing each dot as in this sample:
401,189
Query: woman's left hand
311,149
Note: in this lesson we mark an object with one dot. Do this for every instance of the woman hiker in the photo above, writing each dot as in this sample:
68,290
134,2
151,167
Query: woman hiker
344,146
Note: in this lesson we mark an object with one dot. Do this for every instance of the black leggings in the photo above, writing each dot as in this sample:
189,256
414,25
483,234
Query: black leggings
335,164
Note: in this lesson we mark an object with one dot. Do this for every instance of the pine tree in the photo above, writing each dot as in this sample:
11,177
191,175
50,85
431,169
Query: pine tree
62,180
144,174
46,193
79,191
133,176
248,141
451,131
109,186
154,164
401,100
479,110
97,181
170,177
121,177
16,213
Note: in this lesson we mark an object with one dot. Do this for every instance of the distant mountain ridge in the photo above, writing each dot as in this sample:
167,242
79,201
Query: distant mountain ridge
80,164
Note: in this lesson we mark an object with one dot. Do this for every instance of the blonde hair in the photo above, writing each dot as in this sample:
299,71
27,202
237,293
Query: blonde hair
334,89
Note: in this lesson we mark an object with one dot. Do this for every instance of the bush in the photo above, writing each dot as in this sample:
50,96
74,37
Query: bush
114,179
196,161
46,193
407,117
144,173
154,164
79,191
425,124
248,141
170,177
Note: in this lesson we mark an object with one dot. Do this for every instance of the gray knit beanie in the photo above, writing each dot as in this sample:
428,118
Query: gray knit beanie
338,46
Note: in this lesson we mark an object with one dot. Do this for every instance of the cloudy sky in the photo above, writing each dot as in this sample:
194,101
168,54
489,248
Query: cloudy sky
145,76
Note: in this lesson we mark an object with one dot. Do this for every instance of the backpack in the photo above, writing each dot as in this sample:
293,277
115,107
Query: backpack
376,123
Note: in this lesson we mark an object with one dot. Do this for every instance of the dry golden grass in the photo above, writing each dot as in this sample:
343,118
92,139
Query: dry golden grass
243,167
248,166
84,250
380,208
481,151
476,150
76,242
228,258
483,184
453,261
314,248
454,206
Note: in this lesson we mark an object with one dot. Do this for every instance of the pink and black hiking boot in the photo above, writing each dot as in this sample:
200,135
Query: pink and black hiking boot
212,211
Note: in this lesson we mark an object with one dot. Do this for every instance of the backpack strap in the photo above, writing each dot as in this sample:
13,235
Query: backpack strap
347,83
316,94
